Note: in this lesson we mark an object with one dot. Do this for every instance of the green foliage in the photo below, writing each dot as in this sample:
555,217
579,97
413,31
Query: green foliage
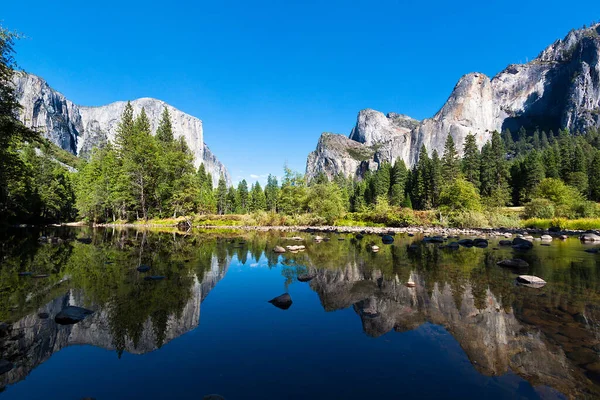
471,162
460,195
539,208
450,161
325,200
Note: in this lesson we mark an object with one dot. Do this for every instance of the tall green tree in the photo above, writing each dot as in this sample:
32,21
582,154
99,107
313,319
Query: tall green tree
450,161
399,176
471,161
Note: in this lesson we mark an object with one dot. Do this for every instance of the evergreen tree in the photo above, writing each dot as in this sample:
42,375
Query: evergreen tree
532,174
494,172
232,201
242,197
471,161
544,142
421,179
399,175
222,196
381,181
164,132
450,161
258,201
594,177
436,179
271,193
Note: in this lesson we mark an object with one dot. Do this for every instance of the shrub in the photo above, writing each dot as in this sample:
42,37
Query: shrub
468,219
461,195
539,208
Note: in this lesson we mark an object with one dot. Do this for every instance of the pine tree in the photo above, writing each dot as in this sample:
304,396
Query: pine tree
271,193
222,196
535,140
594,177
532,174
471,161
436,179
258,201
544,140
125,129
381,181
494,172
242,197
421,180
164,132
450,161
398,176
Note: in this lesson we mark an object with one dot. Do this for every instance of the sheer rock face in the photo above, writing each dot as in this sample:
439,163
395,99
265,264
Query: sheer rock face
79,129
559,89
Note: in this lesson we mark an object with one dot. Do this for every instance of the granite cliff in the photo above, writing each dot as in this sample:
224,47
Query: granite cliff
558,89
79,129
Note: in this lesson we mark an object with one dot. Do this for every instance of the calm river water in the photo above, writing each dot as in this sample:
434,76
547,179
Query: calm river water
355,331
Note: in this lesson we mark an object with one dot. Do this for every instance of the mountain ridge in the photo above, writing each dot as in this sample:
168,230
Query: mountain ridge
79,129
558,89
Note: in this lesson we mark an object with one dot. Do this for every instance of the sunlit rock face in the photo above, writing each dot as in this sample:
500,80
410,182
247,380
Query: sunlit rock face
559,89
79,129
492,336
33,340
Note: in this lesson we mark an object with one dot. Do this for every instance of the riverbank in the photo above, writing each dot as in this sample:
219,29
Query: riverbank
414,230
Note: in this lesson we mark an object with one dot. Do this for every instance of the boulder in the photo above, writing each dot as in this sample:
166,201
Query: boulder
284,301
530,280
359,236
278,249
299,247
563,237
71,315
154,278
387,239
143,268
513,263
521,244
546,238
43,315
481,243
589,237
374,249
593,251
306,277
318,238
5,366
505,243
453,246
433,239
466,242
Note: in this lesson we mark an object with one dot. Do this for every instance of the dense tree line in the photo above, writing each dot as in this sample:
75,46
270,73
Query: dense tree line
34,185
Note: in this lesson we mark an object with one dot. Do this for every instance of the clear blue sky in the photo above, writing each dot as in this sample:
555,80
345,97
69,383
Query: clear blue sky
267,77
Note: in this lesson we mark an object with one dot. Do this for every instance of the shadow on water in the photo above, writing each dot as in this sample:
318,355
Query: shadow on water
548,337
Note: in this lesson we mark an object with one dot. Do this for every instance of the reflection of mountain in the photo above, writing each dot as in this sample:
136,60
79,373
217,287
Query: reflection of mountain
494,339
33,340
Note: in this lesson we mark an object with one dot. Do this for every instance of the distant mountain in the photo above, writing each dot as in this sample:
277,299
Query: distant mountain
559,89
79,129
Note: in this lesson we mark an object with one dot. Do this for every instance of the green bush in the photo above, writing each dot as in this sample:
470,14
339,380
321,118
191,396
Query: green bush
539,208
468,219
461,195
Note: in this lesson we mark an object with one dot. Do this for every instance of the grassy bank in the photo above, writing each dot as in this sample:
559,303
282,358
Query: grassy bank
496,218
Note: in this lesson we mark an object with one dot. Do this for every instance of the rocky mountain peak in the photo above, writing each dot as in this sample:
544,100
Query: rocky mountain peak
78,129
559,89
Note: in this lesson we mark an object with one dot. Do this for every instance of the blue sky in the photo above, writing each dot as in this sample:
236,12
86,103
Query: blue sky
267,77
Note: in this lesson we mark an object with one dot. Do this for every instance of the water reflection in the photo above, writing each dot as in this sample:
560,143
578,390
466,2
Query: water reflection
548,336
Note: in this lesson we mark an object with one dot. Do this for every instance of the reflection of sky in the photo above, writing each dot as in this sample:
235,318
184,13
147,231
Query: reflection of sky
244,348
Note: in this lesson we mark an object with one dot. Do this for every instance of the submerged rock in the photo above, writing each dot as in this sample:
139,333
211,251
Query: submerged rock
154,278
387,239
43,315
522,244
278,249
213,397
513,263
374,248
306,277
593,251
284,301
143,268
466,242
359,236
296,248
25,273
546,238
505,243
530,280
72,315
481,243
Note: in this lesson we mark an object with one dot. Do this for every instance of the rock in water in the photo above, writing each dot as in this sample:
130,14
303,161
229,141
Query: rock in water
505,243
521,244
213,397
154,278
43,315
71,315
546,238
387,239
589,237
481,243
530,280
466,242
143,268
278,249
284,301
513,263
306,277
593,251
5,366
374,248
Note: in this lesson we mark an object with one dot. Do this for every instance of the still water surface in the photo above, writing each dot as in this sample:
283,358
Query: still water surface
356,331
